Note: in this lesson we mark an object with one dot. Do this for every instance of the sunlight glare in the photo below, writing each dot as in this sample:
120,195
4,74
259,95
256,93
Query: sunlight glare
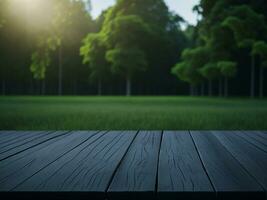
35,13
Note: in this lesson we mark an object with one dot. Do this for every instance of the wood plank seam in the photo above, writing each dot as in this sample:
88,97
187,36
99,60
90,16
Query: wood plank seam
157,176
66,178
244,139
43,134
34,145
240,164
31,135
56,159
118,165
257,138
203,166
252,143
12,139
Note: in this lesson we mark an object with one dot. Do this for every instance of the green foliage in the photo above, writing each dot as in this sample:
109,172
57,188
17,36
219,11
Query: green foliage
145,26
41,59
221,43
68,18
193,60
125,36
126,61
93,52
127,31
260,48
186,73
246,24
210,71
225,27
153,12
40,62
227,68
197,57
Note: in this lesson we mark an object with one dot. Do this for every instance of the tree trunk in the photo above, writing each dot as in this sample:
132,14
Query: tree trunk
261,81
43,87
60,71
31,87
210,88
252,78
3,87
191,90
128,86
197,91
225,87
39,87
220,88
99,87
74,87
203,89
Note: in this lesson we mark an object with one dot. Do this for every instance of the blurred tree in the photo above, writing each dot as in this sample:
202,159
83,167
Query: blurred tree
163,45
192,61
260,48
210,71
126,61
229,29
94,52
40,60
228,69
69,23
125,52
248,27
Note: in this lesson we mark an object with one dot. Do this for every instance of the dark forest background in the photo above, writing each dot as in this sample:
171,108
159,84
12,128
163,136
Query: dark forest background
135,47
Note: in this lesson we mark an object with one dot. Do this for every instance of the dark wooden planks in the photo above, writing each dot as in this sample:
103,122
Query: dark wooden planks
181,174
11,136
87,169
253,159
255,138
229,178
15,171
17,142
5,133
26,152
20,146
126,165
137,174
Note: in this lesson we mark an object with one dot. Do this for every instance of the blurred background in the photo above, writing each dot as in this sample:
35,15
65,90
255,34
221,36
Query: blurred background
133,47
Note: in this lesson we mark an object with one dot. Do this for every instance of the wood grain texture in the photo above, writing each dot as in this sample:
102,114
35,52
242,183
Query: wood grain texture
16,171
255,138
11,136
228,177
137,174
20,146
88,168
181,174
253,159
27,152
148,165
28,136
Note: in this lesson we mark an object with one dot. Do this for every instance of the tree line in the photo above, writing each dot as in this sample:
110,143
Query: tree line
134,47
231,36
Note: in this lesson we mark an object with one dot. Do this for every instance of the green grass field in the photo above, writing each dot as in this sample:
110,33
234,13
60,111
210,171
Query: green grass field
170,113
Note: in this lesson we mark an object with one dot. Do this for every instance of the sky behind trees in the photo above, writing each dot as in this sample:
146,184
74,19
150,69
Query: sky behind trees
182,7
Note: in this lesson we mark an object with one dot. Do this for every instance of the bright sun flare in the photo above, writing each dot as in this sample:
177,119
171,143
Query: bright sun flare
35,13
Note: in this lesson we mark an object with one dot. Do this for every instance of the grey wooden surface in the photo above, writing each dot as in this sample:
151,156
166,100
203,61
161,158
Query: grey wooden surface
133,165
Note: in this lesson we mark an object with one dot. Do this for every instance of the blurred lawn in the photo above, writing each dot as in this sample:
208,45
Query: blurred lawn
169,113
